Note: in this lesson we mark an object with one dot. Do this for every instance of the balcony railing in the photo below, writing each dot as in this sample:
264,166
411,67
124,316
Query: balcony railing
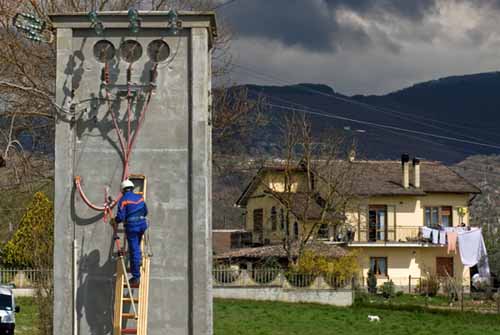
394,234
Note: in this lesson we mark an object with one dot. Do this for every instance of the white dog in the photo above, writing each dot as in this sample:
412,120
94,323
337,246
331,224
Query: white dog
372,318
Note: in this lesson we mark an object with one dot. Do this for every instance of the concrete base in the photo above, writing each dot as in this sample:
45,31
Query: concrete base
342,298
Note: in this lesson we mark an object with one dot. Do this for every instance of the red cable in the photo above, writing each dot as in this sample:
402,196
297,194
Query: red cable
125,151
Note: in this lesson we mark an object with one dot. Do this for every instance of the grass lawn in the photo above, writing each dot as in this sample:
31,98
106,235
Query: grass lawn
236,317
263,318
25,320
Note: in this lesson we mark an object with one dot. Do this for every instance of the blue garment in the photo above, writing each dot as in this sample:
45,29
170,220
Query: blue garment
132,210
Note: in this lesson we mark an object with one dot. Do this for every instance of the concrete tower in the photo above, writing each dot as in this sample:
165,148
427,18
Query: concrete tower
96,58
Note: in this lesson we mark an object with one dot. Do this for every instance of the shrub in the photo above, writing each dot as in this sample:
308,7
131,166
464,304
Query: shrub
388,289
343,268
429,285
371,282
32,243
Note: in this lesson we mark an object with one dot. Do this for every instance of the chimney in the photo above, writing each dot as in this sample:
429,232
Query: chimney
405,163
416,171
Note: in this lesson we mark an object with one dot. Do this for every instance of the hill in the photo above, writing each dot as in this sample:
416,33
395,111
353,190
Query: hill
464,107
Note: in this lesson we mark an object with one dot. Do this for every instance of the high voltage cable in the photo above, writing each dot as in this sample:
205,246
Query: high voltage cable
379,125
384,110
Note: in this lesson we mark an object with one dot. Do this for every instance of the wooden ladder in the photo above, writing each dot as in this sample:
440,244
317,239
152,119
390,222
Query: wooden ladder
131,302
133,298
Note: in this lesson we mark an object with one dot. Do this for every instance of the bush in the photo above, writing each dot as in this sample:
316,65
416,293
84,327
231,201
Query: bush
32,243
361,297
371,282
429,286
388,289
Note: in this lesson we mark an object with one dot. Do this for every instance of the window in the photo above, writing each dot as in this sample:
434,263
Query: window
438,216
296,230
258,228
377,225
323,231
5,302
274,219
378,266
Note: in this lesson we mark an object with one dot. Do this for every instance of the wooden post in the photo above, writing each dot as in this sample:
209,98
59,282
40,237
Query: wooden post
462,297
409,284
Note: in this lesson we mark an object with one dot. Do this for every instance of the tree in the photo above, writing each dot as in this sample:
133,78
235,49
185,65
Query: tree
27,86
315,187
32,243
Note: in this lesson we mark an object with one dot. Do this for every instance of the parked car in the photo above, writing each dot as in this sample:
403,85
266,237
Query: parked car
8,310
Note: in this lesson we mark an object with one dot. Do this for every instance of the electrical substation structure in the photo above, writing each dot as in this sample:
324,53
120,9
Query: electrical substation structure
133,101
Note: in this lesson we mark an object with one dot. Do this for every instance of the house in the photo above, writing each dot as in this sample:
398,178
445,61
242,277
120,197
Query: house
391,201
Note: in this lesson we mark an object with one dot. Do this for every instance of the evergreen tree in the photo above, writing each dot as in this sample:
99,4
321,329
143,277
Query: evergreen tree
31,246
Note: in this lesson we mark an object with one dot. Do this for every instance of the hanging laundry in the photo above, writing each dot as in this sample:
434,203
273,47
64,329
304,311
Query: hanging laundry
426,232
442,237
473,251
435,236
452,241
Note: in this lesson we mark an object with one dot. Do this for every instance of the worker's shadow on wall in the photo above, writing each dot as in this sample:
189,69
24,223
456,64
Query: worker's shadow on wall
95,293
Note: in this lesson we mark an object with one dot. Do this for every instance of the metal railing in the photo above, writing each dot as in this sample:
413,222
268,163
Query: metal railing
265,276
225,275
393,234
26,278
273,277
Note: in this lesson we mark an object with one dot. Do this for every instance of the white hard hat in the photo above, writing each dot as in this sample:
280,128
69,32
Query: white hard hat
127,184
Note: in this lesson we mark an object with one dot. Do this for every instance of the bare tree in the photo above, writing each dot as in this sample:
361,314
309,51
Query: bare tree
315,186
27,83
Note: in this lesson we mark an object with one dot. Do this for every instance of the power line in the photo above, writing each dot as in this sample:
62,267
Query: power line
384,126
383,110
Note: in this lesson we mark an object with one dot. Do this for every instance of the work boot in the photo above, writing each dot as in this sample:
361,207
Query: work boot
134,281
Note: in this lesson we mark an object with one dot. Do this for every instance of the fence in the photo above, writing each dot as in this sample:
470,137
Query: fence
417,285
272,277
26,278
277,285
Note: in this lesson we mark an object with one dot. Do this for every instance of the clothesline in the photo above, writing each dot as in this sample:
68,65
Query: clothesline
470,244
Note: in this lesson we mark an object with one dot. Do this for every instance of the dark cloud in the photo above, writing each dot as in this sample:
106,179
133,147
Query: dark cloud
313,24
409,9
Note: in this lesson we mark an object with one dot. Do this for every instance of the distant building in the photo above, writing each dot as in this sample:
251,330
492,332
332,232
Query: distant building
227,239
383,222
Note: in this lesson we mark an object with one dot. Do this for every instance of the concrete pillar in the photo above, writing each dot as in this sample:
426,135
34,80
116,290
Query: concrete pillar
173,150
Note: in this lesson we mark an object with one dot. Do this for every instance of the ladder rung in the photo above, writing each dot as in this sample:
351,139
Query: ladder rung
129,331
128,315
129,300
131,285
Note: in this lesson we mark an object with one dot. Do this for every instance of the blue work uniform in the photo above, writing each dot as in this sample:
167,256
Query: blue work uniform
132,211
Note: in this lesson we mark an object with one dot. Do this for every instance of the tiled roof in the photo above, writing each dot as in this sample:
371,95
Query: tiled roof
278,251
377,178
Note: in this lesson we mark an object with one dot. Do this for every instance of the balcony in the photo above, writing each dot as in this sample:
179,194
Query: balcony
399,235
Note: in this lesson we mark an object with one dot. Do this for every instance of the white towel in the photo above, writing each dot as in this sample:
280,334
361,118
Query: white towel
442,237
435,236
473,251
426,232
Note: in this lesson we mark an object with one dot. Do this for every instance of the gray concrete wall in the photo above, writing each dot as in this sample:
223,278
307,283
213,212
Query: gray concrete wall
327,297
173,150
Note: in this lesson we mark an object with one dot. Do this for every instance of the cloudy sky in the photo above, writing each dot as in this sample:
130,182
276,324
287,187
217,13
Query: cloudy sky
362,46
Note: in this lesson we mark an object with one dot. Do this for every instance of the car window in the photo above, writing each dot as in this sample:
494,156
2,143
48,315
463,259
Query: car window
5,302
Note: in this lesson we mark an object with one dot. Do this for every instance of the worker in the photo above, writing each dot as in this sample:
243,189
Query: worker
132,211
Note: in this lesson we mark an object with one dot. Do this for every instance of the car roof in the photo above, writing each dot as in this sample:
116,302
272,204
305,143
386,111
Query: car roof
5,290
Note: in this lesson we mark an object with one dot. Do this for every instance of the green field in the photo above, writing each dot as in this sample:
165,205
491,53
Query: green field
25,320
234,317
262,318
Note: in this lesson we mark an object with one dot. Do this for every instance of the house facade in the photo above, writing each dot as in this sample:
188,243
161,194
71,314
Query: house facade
392,202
